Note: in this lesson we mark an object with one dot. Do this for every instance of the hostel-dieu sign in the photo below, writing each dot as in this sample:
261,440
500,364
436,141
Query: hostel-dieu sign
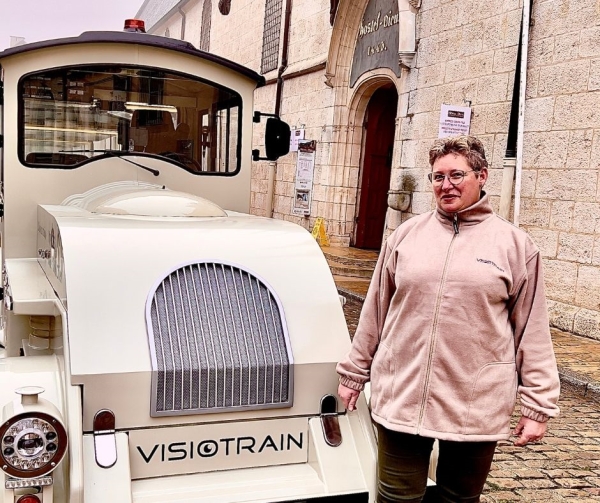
377,39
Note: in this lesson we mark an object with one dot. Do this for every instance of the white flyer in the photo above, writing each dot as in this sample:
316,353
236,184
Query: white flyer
454,121
305,167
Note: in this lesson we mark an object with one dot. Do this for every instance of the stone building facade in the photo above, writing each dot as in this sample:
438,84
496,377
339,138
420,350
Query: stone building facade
374,123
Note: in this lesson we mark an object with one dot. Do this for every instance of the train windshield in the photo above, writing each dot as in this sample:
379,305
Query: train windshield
72,115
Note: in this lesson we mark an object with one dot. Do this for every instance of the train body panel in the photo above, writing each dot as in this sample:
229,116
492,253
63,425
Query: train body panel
160,343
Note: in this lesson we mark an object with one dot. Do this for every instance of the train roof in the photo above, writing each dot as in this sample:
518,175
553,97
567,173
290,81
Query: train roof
123,37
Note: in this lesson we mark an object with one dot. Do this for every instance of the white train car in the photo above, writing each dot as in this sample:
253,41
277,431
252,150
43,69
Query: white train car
160,343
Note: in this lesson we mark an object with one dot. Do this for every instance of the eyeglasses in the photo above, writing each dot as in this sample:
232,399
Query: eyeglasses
455,177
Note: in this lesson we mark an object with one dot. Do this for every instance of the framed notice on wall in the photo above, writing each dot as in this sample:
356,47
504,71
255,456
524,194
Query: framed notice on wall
305,168
454,121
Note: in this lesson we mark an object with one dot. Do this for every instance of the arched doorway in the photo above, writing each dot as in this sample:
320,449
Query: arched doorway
378,145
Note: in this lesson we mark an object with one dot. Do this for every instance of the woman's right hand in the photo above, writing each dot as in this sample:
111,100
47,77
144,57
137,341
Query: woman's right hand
348,396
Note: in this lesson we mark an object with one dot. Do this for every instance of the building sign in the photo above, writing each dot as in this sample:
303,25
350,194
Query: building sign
377,39
305,167
454,121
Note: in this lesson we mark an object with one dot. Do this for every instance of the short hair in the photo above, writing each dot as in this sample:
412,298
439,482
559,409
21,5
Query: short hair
468,146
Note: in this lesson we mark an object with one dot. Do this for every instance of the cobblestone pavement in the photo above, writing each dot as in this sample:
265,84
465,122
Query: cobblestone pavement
565,466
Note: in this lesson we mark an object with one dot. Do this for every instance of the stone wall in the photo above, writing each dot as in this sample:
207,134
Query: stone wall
307,101
467,51
466,56
561,189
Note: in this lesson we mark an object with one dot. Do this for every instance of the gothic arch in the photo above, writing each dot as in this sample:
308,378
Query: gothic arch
350,104
343,38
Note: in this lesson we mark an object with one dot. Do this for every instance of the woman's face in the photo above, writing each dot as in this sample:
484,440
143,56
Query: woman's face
455,197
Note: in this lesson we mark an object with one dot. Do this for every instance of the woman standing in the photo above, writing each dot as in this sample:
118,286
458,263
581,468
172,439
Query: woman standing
454,323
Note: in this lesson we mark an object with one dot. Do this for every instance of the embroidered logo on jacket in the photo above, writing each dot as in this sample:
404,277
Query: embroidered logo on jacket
484,261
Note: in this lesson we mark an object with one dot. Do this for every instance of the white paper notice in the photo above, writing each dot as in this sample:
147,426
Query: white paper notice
305,167
454,121
295,137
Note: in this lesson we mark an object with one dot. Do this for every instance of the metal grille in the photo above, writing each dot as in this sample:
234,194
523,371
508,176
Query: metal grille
272,27
218,342
205,29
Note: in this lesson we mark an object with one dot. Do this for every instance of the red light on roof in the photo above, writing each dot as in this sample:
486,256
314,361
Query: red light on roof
29,498
135,25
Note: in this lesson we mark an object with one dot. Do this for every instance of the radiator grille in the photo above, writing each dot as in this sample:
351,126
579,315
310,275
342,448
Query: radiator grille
218,342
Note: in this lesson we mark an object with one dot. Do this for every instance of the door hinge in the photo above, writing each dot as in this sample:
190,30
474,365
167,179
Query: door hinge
1,93
1,141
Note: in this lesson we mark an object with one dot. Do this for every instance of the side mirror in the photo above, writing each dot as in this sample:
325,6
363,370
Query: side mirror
277,138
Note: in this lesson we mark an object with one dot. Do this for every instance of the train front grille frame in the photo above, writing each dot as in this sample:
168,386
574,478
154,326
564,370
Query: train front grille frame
218,342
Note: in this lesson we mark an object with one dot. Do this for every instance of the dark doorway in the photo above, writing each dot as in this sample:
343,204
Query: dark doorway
380,120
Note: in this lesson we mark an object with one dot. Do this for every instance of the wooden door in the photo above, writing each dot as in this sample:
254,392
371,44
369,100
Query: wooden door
379,126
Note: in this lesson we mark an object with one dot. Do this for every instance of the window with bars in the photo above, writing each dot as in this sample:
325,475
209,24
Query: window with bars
272,27
205,30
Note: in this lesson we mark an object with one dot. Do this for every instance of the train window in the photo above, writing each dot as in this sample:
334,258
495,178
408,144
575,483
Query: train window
72,115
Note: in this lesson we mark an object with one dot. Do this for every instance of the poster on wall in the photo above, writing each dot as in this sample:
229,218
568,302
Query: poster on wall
295,138
305,168
454,121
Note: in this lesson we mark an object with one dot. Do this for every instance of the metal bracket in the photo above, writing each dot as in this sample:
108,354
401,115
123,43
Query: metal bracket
257,115
105,441
329,421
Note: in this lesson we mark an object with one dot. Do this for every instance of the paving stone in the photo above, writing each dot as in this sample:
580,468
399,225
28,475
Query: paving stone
557,473
579,473
505,483
573,493
589,433
501,497
526,473
572,483
502,474
537,495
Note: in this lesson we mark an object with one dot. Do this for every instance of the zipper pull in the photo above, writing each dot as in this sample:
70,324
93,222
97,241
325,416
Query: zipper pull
455,223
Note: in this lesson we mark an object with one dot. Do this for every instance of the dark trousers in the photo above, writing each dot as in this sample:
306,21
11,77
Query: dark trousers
403,463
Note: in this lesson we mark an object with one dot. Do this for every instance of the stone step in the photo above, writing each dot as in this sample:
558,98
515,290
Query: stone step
340,269
351,256
355,288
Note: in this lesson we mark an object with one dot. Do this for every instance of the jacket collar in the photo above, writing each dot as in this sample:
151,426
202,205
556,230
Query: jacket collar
474,214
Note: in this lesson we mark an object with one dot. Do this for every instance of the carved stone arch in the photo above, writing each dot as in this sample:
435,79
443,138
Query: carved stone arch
349,116
365,86
373,94
342,172
343,38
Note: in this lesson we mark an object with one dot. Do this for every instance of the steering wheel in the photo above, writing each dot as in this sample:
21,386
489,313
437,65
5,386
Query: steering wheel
188,162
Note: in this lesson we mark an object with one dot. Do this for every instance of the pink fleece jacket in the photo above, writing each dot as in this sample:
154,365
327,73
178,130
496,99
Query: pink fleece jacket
454,323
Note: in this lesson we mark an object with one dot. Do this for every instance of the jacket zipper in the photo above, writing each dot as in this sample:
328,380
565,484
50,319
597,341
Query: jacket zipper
435,322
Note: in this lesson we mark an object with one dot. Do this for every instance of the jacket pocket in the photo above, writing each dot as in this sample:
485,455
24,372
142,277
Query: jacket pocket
381,379
492,400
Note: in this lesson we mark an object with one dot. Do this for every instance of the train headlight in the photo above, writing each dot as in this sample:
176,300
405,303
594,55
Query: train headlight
32,442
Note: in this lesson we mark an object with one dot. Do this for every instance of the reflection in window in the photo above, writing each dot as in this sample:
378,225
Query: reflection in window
71,115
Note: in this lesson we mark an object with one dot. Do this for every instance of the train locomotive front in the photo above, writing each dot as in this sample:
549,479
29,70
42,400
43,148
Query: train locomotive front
161,343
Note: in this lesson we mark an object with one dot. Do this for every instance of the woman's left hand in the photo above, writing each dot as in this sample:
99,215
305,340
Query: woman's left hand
528,431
